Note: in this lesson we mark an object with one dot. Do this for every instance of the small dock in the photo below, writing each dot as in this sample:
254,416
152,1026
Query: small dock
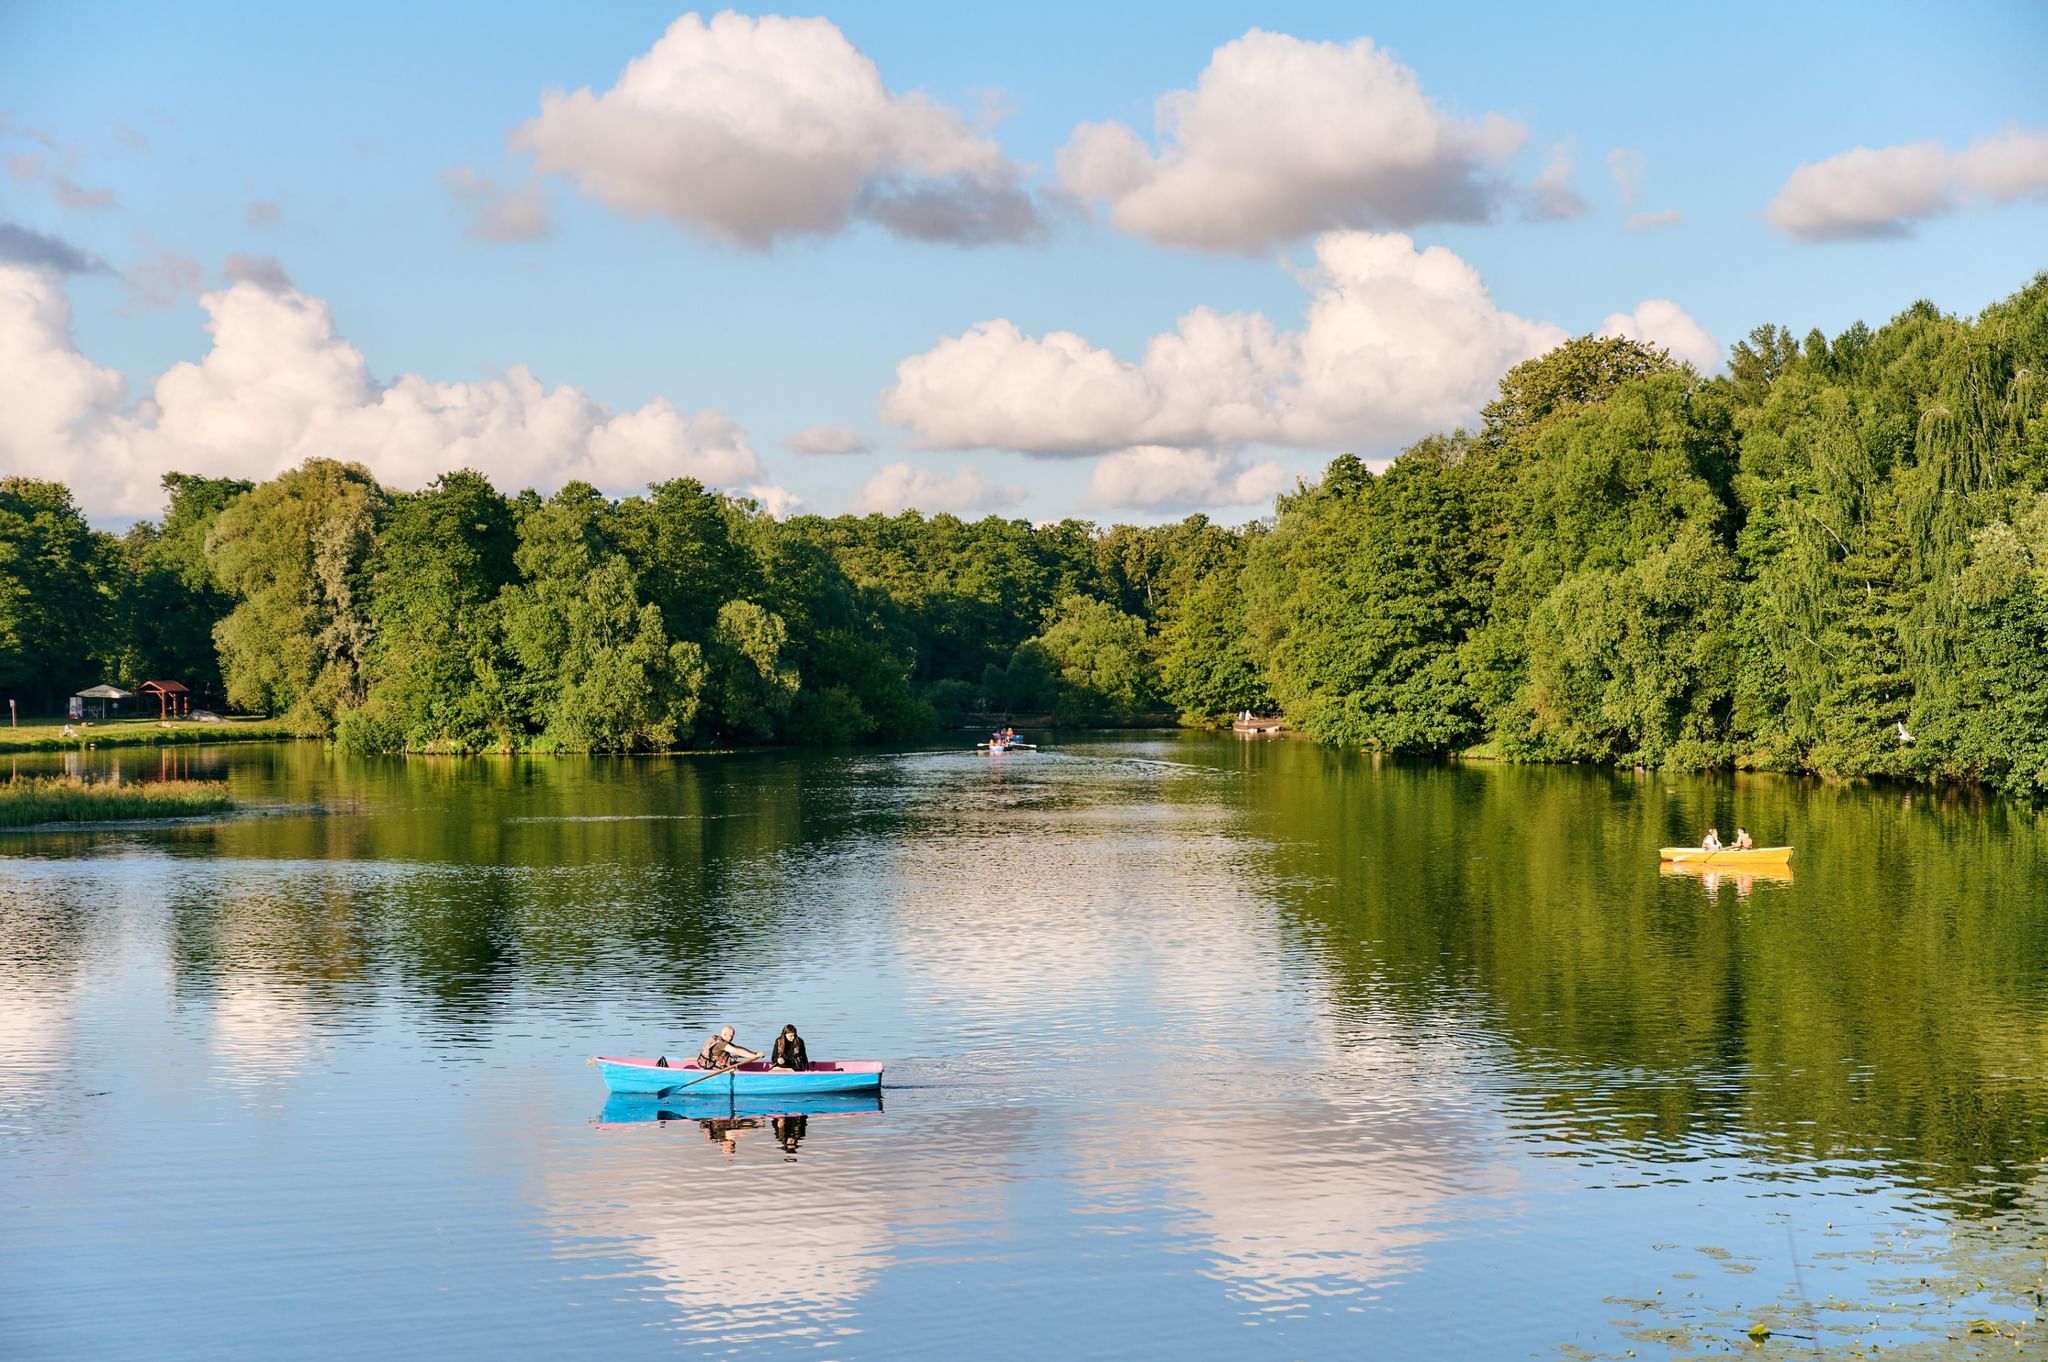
1259,726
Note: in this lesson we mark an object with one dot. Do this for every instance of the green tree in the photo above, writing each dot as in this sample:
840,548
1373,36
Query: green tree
1099,658
55,616
294,554
750,688
168,598
1359,600
436,661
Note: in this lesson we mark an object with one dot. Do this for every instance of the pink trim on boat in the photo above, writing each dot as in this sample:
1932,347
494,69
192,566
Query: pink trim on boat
818,1066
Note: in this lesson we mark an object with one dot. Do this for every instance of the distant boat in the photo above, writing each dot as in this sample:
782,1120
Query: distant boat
643,1075
1727,856
1258,725
1001,745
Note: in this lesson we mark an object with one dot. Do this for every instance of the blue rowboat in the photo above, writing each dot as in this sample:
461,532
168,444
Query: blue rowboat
643,1075
623,1109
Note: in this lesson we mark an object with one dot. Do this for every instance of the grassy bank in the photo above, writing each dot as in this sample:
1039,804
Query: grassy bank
67,799
47,735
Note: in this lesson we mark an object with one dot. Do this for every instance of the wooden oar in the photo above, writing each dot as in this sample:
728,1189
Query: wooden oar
678,1087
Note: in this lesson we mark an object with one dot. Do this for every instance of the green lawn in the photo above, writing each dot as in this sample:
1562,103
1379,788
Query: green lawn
67,799
46,735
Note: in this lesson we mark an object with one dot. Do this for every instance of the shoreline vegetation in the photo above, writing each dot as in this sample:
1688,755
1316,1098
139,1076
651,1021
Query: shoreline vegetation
1829,559
29,801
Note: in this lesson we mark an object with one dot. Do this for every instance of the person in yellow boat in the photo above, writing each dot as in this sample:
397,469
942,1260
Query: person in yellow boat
1743,841
1712,841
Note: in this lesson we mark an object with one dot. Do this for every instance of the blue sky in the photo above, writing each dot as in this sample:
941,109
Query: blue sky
349,121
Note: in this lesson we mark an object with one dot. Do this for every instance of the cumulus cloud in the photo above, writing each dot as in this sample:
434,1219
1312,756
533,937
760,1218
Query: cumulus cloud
261,213
1627,164
1159,478
1881,192
828,440
279,385
496,213
779,502
32,167
1551,196
900,487
1281,138
1661,322
753,131
24,246
1398,341
1670,217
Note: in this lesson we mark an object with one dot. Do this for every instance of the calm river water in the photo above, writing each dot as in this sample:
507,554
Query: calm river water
1197,1049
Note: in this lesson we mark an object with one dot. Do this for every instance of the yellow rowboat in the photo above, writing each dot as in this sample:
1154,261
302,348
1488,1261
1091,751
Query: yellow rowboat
1726,856
1779,872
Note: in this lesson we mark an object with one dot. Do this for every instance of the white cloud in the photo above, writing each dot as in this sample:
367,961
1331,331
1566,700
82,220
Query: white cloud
1157,477
900,487
1669,217
1880,192
1661,322
1551,196
1281,138
54,402
2012,165
756,130
779,502
279,386
1627,164
1397,342
828,440
497,213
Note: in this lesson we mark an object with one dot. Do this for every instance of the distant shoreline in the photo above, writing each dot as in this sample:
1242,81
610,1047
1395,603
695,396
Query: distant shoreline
48,736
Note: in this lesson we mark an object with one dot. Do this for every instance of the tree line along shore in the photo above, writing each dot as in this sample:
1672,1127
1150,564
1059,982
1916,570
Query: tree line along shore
1830,558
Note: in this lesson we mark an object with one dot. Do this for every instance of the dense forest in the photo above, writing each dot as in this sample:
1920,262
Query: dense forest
1831,558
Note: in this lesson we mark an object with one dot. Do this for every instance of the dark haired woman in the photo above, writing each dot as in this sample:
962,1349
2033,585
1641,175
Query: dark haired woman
789,1052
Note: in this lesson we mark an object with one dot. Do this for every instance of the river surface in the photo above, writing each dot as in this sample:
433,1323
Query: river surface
1196,1048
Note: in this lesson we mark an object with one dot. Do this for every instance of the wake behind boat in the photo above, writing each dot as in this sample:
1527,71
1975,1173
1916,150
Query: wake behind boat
625,1074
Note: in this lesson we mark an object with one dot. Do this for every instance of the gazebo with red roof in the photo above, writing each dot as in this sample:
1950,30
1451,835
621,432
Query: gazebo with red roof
171,697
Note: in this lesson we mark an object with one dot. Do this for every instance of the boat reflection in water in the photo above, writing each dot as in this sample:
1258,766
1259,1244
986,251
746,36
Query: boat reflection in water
1712,877
724,1119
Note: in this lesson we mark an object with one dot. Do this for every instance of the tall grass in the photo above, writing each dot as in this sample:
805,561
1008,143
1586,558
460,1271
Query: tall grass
67,799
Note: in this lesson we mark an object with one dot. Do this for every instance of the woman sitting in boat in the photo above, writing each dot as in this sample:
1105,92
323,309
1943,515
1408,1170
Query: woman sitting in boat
1743,841
1712,841
789,1052
721,1052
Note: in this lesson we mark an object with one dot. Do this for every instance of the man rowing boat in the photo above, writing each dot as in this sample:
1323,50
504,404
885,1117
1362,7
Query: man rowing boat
721,1052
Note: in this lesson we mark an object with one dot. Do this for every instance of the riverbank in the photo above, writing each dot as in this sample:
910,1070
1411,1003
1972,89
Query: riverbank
47,735
33,800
